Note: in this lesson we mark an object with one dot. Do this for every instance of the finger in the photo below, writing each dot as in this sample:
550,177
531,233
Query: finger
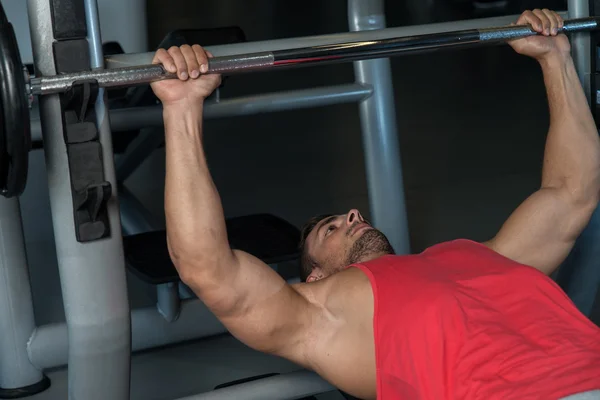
553,21
164,58
561,21
179,59
528,17
191,61
545,21
201,58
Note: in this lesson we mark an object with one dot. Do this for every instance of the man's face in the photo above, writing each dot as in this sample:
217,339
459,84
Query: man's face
341,240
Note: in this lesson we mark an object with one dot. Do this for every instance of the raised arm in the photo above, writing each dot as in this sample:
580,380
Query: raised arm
252,301
543,230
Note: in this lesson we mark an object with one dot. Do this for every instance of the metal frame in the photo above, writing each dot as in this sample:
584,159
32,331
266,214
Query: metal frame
380,133
136,118
48,347
16,306
101,331
580,45
93,277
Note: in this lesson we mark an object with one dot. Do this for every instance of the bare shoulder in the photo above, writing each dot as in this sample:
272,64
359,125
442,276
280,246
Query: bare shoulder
324,293
334,302
340,335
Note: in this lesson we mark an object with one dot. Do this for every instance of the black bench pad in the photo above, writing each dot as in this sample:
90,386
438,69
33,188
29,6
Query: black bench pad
265,236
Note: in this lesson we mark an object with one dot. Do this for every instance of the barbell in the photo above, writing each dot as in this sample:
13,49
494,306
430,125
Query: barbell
18,86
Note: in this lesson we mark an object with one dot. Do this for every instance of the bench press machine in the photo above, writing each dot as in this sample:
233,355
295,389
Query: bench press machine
101,331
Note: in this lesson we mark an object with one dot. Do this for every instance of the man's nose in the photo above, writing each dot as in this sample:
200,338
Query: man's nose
353,217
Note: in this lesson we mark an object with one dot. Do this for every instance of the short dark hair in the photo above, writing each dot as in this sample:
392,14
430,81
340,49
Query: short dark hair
306,264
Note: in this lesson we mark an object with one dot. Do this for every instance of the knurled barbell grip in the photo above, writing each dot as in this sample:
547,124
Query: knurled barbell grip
132,76
117,77
520,31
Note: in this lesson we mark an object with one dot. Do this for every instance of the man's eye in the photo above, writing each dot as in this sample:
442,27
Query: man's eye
330,228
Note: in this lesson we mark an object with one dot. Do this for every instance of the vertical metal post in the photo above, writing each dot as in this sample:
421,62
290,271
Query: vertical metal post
94,35
379,131
92,274
580,45
579,275
17,374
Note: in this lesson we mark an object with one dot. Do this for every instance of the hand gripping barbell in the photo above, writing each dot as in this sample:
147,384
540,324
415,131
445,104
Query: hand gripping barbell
18,87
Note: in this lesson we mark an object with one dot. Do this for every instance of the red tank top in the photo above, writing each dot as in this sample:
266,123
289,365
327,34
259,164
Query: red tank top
460,321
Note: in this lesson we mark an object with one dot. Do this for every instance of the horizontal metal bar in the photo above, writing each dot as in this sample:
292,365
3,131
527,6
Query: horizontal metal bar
142,117
133,59
293,385
127,119
49,346
311,55
364,50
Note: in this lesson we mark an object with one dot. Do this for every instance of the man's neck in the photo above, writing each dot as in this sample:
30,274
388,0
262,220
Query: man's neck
371,257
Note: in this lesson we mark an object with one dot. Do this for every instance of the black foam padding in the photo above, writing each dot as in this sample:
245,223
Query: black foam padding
147,256
16,140
265,236
71,56
68,19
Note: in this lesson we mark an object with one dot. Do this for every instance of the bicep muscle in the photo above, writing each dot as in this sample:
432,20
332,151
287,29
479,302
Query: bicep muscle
542,230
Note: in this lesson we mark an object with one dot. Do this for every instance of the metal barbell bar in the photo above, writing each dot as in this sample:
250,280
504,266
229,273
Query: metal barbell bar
307,56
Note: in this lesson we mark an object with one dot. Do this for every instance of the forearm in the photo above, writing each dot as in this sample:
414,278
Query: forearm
572,156
195,222
249,297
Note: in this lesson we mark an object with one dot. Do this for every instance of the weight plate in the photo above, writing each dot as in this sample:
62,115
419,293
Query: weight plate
15,112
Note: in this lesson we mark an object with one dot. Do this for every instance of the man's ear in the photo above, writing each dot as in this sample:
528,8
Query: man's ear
315,275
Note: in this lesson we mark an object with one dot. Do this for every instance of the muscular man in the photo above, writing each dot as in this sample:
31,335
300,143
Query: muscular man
462,320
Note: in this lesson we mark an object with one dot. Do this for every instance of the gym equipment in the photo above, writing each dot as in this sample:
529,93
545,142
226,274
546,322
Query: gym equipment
342,52
21,87
92,275
15,136
267,237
